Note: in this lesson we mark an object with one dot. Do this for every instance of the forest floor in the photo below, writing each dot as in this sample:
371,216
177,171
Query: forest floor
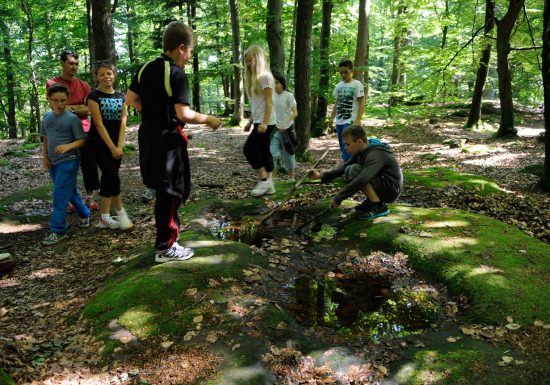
43,337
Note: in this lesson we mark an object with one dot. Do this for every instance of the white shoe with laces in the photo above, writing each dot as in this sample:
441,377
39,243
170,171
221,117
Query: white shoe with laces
107,223
174,253
263,187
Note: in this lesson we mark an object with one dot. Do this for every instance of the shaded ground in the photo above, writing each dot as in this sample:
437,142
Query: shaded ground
42,298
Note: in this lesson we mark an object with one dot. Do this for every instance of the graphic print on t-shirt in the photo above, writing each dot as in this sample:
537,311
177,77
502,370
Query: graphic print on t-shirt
346,95
111,108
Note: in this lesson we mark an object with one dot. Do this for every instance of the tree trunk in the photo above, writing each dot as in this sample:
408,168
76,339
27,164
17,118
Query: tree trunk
192,14
130,34
102,29
236,62
361,64
504,31
445,26
545,180
319,121
274,35
302,72
396,64
292,37
10,85
91,45
475,110
35,120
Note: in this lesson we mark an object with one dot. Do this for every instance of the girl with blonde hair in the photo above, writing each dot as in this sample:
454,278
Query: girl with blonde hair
260,88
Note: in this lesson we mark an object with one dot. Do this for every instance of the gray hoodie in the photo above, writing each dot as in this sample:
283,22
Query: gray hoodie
377,160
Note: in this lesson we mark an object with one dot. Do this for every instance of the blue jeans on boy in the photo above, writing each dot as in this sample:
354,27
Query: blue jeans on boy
64,190
339,128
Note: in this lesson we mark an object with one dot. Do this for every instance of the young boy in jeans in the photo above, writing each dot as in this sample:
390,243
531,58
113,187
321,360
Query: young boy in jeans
160,91
63,135
350,103
373,169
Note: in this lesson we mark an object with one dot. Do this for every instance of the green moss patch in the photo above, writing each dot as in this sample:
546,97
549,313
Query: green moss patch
535,169
440,177
503,271
5,379
4,163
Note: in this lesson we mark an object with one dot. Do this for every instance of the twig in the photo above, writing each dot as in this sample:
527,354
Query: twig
314,218
293,189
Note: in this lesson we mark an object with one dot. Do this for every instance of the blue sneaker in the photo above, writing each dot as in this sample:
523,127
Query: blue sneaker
376,210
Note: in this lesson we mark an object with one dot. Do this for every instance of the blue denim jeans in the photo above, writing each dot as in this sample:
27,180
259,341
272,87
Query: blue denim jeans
64,191
277,148
339,128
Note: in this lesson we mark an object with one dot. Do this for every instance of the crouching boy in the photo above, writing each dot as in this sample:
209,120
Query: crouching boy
372,169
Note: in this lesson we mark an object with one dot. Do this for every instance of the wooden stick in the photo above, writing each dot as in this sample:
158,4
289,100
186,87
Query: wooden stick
314,218
294,188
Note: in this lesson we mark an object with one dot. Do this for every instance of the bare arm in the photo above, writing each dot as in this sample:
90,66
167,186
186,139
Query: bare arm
133,100
268,96
81,110
98,122
333,114
360,111
45,159
122,130
63,148
187,115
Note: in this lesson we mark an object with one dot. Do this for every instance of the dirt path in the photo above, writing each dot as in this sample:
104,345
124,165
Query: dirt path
42,297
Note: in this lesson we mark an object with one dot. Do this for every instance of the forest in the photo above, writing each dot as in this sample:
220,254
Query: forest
450,288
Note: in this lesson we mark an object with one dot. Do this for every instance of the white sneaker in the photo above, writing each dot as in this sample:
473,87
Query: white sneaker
124,223
108,223
263,187
174,253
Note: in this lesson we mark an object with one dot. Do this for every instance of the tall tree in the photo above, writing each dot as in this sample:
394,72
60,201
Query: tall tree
361,64
397,65
274,35
505,27
545,180
10,84
33,98
481,77
318,124
292,37
103,33
192,16
130,35
302,72
236,62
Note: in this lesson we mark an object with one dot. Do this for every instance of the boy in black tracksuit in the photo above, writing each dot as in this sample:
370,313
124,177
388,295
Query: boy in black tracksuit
373,169
160,91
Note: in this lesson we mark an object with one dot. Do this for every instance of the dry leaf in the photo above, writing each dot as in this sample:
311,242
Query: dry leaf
167,344
212,337
509,319
191,291
198,319
382,369
538,323
189,335
236,346
513,326
451,339
467,331
125,339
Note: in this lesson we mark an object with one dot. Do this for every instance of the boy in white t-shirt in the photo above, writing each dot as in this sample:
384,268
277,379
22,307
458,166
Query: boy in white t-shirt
349,105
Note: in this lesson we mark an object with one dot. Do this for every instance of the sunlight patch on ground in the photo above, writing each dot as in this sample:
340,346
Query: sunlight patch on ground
456,242
495,160
199,244
529,131
6,228
44,273
484,269
441,224
10,282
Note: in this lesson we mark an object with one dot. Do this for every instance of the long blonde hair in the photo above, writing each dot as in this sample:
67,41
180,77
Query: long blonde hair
260,68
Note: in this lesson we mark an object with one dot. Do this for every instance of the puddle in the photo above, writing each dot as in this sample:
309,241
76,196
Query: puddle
374,297
248,230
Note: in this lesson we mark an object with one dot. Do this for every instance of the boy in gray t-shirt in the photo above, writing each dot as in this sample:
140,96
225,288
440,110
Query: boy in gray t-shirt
63,135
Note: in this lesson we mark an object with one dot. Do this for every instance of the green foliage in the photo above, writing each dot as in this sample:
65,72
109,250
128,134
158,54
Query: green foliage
535,169
4,163
5,379
129,148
